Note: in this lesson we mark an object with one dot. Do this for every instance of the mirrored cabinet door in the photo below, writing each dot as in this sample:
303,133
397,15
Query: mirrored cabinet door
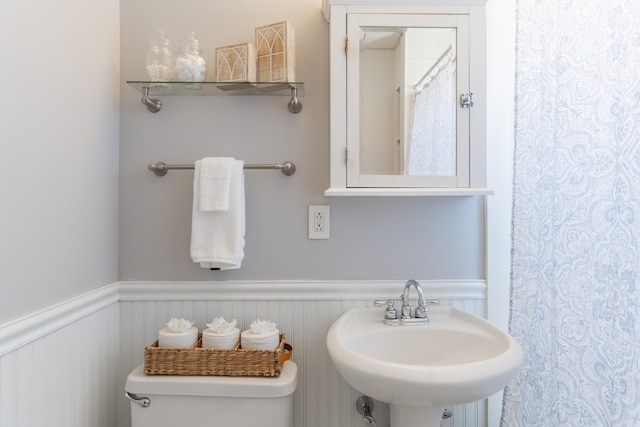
404,76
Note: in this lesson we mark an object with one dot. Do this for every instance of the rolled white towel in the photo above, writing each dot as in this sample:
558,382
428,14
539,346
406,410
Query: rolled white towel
225,341
262,335
221,334
179,333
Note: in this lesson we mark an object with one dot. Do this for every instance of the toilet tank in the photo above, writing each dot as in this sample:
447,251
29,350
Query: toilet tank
213,401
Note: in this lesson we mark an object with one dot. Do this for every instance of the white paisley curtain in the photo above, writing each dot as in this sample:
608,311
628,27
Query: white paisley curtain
432,142
575,297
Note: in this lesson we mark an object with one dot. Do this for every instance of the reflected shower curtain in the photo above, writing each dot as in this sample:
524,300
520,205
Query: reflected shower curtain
432,146
575,297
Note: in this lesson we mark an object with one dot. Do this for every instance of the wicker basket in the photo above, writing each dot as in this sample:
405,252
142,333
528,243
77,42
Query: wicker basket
210,361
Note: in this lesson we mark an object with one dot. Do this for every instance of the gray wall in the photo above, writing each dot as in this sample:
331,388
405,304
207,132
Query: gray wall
371,238
58,151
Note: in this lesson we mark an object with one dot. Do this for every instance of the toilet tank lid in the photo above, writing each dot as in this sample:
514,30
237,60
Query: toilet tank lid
197,385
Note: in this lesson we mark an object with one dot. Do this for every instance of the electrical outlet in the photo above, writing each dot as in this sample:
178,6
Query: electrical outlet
319,222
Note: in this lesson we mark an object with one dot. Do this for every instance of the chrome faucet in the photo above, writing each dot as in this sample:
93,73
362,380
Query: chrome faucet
418,317
421,310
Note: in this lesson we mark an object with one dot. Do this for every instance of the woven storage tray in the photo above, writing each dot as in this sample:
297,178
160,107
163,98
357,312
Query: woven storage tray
210,361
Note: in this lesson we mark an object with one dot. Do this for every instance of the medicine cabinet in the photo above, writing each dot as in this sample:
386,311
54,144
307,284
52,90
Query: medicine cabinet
408,95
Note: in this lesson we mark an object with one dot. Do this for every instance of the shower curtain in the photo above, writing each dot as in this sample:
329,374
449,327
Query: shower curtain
432,142
575,295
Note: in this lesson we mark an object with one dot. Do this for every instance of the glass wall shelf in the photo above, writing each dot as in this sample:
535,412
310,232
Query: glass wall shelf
151,89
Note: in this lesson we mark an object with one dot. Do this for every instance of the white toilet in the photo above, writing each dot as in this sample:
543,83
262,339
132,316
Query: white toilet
212,401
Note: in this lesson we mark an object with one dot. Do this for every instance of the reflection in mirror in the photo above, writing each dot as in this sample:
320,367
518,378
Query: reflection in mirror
408,101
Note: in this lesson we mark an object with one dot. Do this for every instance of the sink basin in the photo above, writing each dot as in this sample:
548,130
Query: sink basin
420,369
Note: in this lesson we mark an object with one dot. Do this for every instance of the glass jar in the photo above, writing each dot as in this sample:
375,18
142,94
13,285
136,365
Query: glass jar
190,65
160,65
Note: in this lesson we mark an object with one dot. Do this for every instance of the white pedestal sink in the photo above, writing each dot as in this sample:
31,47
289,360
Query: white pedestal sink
420,369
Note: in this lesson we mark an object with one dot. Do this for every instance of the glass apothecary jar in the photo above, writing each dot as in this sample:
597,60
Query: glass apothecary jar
160,66
190,64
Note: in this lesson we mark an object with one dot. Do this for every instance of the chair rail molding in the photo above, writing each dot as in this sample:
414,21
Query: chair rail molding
296,290
24,330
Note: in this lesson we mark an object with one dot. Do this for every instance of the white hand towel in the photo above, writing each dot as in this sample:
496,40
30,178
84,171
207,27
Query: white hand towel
215,174
217,237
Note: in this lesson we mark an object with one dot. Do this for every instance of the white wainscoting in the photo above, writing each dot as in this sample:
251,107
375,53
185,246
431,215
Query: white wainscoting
66,365
304,311
58,367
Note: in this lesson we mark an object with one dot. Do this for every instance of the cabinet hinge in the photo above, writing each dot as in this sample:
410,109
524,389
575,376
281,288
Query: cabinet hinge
346,155
346,45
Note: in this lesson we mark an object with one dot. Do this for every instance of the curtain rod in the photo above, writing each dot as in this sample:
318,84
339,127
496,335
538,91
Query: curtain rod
433,67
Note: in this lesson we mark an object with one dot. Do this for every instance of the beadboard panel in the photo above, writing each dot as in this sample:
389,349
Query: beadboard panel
66,365
65,377
304,313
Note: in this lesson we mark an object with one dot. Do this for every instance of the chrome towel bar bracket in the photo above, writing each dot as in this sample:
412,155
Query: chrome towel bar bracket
161,168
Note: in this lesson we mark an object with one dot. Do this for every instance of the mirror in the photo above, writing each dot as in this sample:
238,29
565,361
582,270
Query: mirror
404,75
410,70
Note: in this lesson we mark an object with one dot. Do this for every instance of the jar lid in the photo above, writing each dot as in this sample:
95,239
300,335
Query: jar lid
160,39
190,42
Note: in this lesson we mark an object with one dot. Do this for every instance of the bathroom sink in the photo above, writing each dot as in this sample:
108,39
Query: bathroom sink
419,369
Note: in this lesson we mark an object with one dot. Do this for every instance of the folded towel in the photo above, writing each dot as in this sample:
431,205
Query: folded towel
217,237
215,174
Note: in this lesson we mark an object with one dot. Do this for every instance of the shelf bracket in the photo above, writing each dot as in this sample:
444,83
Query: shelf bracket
153,105
295,105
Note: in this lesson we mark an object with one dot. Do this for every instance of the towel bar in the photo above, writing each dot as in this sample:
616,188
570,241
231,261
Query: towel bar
161,168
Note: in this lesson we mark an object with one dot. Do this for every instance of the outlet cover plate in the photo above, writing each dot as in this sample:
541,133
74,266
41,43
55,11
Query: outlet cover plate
319,224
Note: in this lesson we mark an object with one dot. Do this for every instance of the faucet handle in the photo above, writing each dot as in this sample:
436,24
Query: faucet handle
390,312
422,310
